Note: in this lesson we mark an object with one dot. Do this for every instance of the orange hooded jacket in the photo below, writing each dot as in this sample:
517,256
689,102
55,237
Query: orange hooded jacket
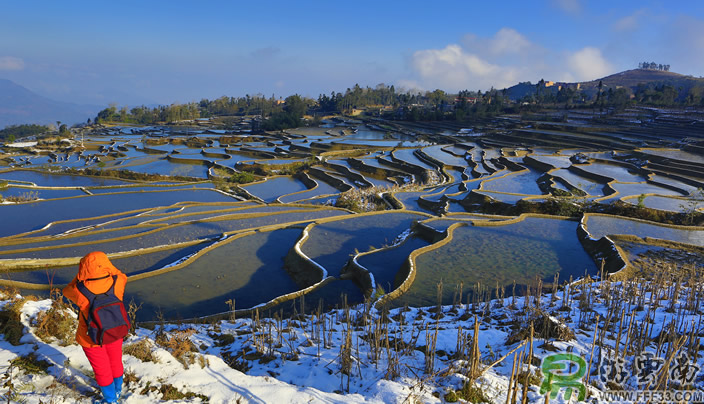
92,266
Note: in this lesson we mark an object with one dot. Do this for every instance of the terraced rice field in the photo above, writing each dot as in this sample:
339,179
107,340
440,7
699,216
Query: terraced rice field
189,247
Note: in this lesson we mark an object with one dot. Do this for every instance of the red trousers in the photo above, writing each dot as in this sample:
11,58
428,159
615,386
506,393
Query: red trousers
106,361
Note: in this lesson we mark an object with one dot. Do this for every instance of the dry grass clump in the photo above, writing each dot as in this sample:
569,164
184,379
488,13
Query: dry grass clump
169,393
31,364
24,197
10,324
369,199
179,344
55,323
141,350
545,327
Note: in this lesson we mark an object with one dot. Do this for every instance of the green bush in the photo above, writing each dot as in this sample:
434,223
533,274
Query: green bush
242,177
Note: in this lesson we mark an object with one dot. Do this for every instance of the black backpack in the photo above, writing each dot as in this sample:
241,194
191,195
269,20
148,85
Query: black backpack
108,320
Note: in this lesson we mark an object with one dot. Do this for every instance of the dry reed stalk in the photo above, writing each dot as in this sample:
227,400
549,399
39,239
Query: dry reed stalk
591,355
511,379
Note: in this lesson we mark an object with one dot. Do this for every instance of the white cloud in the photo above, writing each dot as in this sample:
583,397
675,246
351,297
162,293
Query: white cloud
589,64
568,6
629,22
454,68
11,63
508,41
500,61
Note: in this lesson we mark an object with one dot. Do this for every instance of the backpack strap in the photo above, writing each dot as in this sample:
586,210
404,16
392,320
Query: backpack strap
90,295
112,287
84,290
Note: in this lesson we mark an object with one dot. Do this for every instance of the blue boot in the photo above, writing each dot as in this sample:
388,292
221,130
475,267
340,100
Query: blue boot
109,395
117,382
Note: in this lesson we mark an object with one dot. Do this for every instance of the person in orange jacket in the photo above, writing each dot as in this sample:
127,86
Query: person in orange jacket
96,271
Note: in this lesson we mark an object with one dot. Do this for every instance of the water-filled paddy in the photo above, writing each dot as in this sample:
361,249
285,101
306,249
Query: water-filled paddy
385,264
130,266
330,244
587,185
39,193
410,200
323,188
675,154
408,156
26,217
555,161
502,197
613,171
675,183
446,158
599,226
272,188
660,202
58,180
644,188
521,182
520,251
477,253
166,167
255,276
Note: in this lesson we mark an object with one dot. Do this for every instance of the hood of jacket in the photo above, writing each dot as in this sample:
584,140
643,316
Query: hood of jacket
95,265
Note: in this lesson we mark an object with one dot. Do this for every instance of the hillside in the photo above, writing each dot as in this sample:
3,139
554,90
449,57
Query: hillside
19,105
631,78
628,78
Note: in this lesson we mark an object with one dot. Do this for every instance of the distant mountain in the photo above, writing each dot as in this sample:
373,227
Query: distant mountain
628,78
19,105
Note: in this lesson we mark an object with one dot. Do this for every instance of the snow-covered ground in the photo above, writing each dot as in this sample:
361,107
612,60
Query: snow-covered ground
302,360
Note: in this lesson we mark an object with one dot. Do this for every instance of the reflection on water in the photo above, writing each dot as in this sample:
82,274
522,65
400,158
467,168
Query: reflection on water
521,251
58,180
330,244
522,182
599,226
255,276
272,188
384,265
25,217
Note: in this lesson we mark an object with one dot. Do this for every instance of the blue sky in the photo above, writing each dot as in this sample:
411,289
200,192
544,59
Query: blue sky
134,52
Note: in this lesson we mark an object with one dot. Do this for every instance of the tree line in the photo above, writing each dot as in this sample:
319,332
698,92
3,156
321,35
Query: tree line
12,132
386,102
654,66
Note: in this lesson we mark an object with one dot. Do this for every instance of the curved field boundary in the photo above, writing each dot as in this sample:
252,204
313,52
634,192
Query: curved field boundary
16,264
619,265
537,164
304,237
671,226
658,242
33,264
221,156
352,176
195,161
310,184
408,282
481,184
602,179
522,217
605,252
359,165
335,182
677,198
513,166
